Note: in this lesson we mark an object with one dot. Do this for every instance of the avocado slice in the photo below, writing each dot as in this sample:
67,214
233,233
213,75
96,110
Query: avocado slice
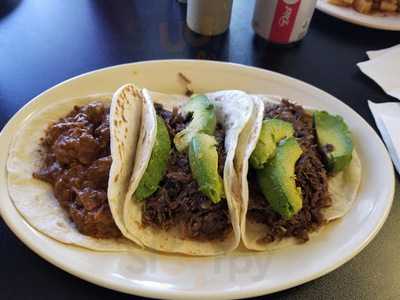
334,140
203,160
272,132
277,179
203,120
157,166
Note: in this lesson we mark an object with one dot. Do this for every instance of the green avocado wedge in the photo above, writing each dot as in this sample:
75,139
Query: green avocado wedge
334,140
157,166
272,132
203,160
203,120
277,179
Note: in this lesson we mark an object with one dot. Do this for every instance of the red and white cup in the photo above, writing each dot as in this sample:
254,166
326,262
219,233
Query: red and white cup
283,21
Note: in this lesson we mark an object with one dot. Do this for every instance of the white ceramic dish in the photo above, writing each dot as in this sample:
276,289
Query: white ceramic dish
377,20
242,273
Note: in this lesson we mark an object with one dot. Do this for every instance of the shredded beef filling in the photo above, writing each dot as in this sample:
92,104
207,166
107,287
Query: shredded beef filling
310,176
178,203
77,161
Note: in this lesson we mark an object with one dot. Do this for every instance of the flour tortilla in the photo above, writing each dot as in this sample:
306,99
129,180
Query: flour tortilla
343,187
34,199
233,110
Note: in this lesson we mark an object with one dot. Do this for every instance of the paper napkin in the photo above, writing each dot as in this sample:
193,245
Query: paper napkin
387,118
377,53
384,68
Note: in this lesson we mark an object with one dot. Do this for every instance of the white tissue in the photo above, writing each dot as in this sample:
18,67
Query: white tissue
377,53
384,69
387,118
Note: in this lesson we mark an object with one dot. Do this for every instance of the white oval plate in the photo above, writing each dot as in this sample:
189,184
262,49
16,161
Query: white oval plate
377,20
243,273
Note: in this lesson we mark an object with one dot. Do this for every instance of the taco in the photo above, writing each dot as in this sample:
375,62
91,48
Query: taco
182,196
298,170
70,164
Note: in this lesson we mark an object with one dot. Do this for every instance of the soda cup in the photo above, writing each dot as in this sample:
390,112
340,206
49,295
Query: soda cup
283,21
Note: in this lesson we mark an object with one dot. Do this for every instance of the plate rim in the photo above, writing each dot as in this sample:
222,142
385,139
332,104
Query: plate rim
326,8
178,294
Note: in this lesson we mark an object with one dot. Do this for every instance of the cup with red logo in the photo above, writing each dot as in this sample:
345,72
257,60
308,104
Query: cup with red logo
283,21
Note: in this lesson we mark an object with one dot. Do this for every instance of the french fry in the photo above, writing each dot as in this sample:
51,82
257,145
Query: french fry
341,2
363,6
369,6
388,5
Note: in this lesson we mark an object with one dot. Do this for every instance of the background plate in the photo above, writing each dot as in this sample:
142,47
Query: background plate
377,20
242,273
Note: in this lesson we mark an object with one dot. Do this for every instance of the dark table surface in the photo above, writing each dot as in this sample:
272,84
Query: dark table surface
45,42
